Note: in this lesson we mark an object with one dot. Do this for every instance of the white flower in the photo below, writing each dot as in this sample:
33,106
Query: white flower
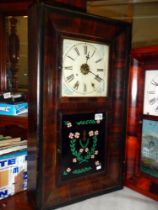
96,152
96,132
77,135
91,133
68,170
92,156
97,163
74,160
71,135
86,150
69,124
81,150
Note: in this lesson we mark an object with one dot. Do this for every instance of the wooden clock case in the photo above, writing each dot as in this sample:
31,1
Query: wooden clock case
142,59
48,26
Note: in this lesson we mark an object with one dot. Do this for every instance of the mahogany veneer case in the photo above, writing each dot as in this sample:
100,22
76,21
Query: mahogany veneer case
76,144
142,176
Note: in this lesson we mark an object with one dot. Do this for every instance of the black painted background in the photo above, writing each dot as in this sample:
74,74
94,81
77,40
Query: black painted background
80,165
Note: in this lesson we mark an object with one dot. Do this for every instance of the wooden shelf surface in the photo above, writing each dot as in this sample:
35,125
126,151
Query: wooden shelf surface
18,201
20,120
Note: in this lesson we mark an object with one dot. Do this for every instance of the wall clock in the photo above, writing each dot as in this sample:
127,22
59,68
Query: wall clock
85,68
151,92
78,85
142,120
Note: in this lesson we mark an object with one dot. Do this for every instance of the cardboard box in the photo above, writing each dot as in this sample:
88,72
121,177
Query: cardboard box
13,173
13,109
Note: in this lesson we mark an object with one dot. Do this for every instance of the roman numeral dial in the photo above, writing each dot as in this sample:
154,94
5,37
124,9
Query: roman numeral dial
151,93
84,69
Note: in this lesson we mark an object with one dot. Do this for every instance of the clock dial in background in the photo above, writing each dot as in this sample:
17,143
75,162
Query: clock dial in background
151,92
85,69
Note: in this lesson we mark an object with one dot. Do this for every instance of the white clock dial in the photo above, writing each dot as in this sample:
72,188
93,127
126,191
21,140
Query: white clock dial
151,93
84,69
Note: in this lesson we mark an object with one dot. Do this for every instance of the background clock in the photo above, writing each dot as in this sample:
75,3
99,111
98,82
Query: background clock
151,92
84,68
142,120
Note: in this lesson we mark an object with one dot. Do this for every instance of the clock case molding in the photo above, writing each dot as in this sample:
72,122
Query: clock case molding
142,60
47,28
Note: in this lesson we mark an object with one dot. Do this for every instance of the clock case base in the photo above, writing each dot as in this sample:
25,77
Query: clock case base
47,26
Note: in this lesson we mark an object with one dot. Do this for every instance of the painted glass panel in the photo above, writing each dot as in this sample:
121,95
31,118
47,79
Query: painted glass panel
149,149
83,145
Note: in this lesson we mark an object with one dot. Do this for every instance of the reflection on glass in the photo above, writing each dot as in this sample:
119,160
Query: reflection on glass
17,53
149,149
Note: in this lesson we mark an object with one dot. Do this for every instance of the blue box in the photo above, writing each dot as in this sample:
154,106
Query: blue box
13,109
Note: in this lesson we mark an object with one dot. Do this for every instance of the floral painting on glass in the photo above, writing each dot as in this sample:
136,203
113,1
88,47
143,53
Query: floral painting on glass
83,145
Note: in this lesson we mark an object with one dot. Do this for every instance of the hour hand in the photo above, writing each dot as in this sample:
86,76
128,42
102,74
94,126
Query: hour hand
97,77
87,57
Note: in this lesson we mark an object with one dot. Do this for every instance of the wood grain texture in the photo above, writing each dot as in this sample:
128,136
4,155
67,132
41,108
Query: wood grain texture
2,55
18,201
14,126
141,59
17,7
79,5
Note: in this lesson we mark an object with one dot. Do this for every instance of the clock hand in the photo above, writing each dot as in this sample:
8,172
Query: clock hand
87,57
86,70
97,77
154,83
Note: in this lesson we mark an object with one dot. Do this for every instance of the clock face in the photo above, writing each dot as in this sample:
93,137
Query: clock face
84,69
151,93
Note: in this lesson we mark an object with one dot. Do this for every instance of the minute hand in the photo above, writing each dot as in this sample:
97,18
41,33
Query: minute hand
97,77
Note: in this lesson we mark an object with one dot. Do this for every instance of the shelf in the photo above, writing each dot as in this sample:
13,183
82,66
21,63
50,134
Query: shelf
17,201
20,120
